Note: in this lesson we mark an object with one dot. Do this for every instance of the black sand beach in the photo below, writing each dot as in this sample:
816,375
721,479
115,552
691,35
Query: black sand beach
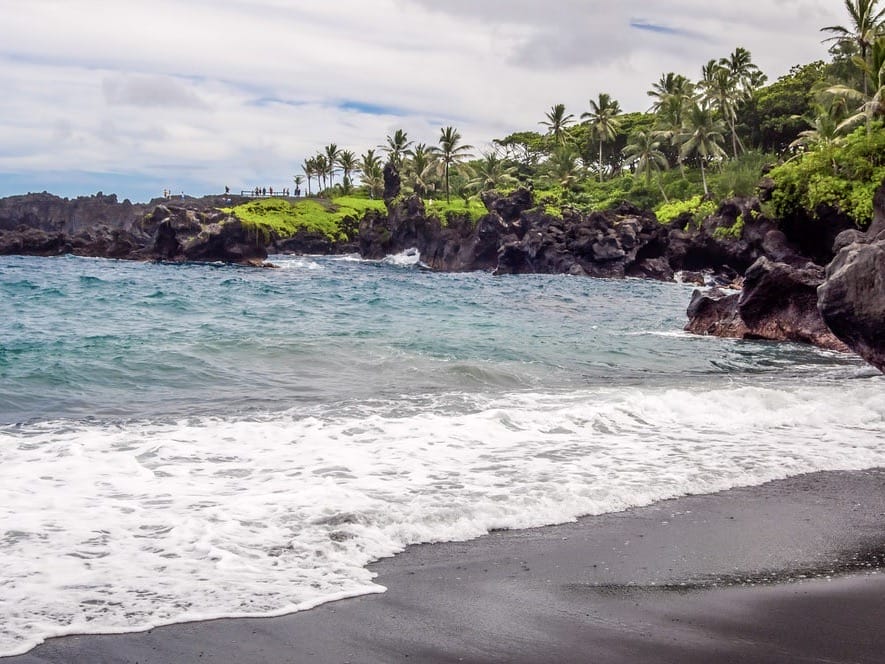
785,572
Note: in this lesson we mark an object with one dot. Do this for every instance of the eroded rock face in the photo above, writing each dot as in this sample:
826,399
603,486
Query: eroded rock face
99,226
852,298
778,303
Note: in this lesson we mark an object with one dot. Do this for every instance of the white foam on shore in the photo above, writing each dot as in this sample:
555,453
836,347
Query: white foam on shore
407,258
111,528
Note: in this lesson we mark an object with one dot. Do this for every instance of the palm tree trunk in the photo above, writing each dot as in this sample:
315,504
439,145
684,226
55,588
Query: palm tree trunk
661,187
447,183
734,139
704,178
600,160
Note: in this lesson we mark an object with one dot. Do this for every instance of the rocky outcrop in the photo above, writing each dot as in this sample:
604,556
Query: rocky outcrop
180,234
46,225
516,236
852,298
52,214
778,303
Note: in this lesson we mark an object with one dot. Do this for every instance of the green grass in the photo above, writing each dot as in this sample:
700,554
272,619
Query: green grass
474,209
278,218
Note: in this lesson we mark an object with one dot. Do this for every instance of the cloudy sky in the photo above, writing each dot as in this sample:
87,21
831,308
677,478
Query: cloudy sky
133,96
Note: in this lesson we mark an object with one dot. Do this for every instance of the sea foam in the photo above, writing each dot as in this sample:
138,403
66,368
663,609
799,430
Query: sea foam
121,526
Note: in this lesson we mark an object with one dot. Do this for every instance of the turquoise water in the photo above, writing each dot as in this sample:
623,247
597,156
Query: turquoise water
93,338
191,441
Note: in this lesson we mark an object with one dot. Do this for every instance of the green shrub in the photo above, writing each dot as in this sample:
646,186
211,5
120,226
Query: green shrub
696,206
843,177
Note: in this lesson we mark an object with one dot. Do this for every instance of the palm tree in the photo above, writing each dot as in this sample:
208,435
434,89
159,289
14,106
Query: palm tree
604,124
557,123
491,172
332,153
449,152
396,147
674,95
824,133
298,180
670,86
309,167
872,104
720,90
565,167
322,166
372,176
348,163
419,169
746,75
866,26
645,153
703,137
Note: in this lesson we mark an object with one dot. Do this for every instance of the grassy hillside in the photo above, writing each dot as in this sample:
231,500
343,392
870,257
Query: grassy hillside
278,217
336,218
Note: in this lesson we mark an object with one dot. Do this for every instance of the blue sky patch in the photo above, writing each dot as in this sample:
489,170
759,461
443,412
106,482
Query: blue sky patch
648,26
370,109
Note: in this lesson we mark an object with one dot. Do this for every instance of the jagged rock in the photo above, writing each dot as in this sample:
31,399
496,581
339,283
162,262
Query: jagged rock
33,242
715,313
778,303
510,207
852,298
101,226
69,216
391,182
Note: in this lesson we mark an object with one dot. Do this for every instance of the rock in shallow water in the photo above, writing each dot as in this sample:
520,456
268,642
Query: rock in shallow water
778,303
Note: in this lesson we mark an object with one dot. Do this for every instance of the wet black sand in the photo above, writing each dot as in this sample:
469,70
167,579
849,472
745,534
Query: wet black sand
785,572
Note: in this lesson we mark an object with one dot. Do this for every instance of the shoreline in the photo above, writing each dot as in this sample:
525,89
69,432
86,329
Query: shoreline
782,572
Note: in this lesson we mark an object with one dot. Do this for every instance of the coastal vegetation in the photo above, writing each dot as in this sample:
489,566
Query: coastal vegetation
817,132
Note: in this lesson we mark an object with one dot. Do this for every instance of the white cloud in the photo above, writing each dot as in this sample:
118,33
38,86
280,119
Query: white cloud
203,94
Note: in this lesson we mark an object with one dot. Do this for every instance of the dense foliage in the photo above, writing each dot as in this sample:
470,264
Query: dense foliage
702,139
842,177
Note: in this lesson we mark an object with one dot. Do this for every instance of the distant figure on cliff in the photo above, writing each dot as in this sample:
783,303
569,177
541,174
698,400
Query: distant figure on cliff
226,190
297,192
264,191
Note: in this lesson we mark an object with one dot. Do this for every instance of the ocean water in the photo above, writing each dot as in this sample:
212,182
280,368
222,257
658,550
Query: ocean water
181,442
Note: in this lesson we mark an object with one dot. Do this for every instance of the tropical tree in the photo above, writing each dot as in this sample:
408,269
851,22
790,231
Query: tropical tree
644,151
347,161
450,152
331,153
745,75
557,123
866,26
310,170
720,91
872,99
372,174
396,147
674,94
298,180
491,172
419,169
565,166
703,137
669,88
603,122
322,167
824,134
